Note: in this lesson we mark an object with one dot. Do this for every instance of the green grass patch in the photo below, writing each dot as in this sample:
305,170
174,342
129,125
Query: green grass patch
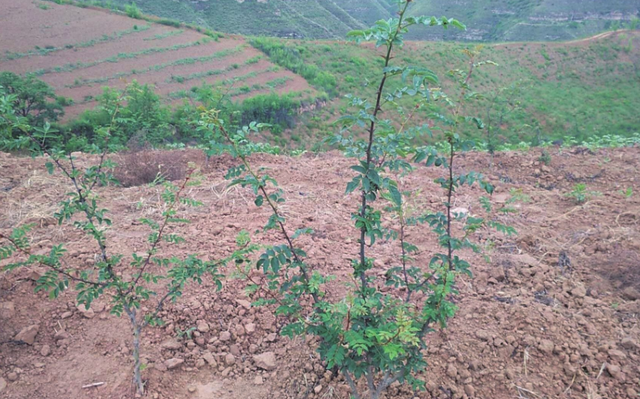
293,59
161,36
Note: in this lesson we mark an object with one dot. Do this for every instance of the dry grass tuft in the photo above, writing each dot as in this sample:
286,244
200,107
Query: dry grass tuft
136,168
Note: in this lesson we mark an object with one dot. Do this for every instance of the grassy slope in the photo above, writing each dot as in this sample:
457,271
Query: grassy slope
488,20
592,16
578,89
283,18
368,12
534,20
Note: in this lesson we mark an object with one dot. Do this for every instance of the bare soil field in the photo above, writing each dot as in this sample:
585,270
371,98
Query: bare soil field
25,25
156,78
130,42
166,76
552,314
79,50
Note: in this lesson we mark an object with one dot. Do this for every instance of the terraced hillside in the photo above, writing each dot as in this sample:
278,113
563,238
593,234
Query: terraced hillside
80,50
488,20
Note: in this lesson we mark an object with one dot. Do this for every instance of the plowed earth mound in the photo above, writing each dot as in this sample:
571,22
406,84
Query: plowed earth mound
554,314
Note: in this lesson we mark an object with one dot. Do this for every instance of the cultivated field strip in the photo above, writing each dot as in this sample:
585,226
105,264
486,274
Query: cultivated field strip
296,84
139,63
199,64
78,51
24,25
164,78
138,57
252,82
74,58
50,50
256,77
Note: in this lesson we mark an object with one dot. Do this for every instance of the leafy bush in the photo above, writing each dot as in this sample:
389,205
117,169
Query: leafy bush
144,120
148,275
133,11
279,111
373,333
215,35
545,157
170,22
32,98
580,194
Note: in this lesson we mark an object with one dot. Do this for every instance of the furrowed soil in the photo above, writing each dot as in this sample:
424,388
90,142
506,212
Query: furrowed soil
550,313
78,51
24,25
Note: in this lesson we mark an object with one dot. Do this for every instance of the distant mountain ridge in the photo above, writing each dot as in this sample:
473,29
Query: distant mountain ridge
487,20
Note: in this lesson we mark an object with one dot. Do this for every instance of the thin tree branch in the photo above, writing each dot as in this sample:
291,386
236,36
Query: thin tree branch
352,384
52,267
387,380
81,197
165,222
274,209
371,131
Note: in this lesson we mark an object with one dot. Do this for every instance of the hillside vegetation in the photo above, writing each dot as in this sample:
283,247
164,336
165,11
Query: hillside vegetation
536,92
488,20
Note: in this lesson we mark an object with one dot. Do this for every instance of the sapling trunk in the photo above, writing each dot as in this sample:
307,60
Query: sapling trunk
371,135
136,328
448,204
352,385
374,391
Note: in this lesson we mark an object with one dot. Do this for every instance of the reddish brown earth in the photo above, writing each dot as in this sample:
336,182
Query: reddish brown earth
526,328
25,26
125,44
164,87
139,64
